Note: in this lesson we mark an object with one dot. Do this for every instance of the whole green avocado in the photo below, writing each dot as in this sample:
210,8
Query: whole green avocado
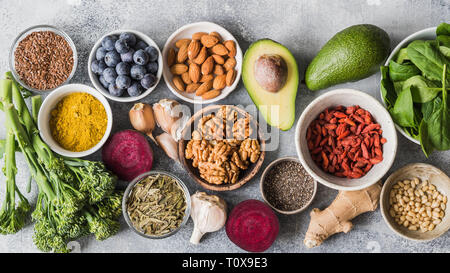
352,54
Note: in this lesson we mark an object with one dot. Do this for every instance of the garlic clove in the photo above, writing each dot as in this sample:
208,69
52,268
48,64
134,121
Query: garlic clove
142,119
209,213
170,146
164,114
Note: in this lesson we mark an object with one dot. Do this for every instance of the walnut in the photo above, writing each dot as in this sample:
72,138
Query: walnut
250,150
212,172
242,129
237,160
220,152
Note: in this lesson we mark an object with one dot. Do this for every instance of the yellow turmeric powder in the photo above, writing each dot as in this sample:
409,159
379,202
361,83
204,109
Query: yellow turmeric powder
78,122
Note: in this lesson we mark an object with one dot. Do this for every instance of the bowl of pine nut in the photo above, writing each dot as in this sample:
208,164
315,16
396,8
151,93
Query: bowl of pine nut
414,202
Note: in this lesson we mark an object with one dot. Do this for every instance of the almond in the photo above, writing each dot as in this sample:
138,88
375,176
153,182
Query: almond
229,64
203,88
211,94
230,77
182,53
198,35
231,46
194,72
186,78
191,88
209,40
201,57
208,66
178,82
218,70
193,49
218,59
171,57
220,49
215,33
178,69
206,78
219,82
181,42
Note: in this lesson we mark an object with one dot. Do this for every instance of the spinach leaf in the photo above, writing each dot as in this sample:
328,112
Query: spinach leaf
402,56
443,40
403,111
427,146
427,57
430,107
387,88
439,124
445,51
443,29
402,72
422,90
398,86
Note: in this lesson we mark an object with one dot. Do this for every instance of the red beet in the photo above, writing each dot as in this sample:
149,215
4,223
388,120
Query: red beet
128,154
252,225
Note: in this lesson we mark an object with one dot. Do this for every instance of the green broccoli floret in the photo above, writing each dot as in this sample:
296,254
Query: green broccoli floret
110,206
102,228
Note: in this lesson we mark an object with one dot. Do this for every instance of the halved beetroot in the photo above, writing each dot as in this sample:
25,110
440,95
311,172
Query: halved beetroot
252,225
128,154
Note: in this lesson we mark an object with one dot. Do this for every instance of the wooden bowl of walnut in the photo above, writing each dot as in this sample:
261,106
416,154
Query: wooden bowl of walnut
222,147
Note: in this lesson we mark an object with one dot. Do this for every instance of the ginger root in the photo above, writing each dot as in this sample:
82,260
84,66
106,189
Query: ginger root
336,217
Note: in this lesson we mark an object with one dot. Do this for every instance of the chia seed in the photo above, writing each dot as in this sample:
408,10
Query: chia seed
287,186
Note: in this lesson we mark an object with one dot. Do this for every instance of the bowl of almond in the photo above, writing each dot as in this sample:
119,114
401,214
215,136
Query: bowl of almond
202,63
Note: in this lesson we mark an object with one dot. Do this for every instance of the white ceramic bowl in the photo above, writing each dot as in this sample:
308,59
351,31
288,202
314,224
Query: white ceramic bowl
425,34
104,91
50,103
346,97
186,32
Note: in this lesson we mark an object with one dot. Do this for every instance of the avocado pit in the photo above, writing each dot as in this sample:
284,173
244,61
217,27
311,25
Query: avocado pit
270,72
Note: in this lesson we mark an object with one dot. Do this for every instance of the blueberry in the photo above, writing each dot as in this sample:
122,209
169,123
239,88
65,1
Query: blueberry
127,57
122,46
140,45
112,58
152,53
100,53
108,42
152,67
115,91
94,66
123,68
129,37
123,81
110,75
135,89
148,81
140,57
102,80
137,72
101,67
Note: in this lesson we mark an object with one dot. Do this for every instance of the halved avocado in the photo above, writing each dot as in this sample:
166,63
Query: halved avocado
270,75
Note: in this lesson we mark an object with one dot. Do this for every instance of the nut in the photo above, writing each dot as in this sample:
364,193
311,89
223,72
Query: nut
209,40
193,49
201,57
198,35
186,78
219,82
191,88
218,70
194,72
229,64
182,53
171,55
178,69
178,82
211,94
231,76
218,59
231,46
208,66
204,87
181,42
215,33
206,78
219,49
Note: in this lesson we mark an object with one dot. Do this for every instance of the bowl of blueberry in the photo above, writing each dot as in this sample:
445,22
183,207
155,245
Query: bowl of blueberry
125,65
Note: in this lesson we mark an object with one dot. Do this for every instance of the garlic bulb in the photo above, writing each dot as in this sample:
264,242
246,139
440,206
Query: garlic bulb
169,117
209,213
142,118
169,145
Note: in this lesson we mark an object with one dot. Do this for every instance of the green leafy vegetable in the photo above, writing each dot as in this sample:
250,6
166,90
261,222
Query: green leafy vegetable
402,56
443,29
402,72
422,89
387,88
427,57
403,110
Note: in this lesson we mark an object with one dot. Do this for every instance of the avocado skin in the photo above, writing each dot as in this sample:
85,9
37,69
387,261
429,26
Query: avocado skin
350,55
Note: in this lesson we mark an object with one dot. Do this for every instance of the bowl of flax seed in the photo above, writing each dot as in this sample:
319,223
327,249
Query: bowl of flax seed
43,58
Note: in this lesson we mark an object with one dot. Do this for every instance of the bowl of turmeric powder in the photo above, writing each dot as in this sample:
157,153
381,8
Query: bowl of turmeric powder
75,120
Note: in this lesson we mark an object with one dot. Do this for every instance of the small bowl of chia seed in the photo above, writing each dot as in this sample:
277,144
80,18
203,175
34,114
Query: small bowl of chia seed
287,187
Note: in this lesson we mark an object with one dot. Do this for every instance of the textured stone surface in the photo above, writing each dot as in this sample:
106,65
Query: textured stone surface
302,26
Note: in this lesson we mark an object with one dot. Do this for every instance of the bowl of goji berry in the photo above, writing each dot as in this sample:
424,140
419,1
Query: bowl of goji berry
346,140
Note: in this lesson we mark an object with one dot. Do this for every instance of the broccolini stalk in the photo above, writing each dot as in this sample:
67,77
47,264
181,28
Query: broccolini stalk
102,228
12,218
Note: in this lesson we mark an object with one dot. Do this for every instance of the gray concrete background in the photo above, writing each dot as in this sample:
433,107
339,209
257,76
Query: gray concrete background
302,26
